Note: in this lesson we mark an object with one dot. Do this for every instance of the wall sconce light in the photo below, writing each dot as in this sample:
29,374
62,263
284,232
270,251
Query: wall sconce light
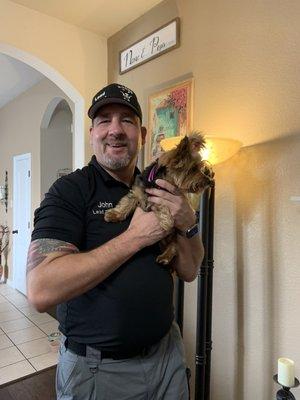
4,192
216,151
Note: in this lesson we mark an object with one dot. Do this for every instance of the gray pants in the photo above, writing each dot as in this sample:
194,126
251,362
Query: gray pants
159,375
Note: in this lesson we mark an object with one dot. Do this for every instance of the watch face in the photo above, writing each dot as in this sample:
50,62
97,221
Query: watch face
192,231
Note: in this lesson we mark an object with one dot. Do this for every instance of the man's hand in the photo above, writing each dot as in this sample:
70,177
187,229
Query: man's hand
190,251
176,201
147,228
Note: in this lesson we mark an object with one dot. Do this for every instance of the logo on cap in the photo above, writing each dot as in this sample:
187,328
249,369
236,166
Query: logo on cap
99,96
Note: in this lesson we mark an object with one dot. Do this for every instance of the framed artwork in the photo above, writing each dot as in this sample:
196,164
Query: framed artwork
169,115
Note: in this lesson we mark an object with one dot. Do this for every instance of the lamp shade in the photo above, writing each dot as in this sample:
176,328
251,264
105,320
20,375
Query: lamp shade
216,149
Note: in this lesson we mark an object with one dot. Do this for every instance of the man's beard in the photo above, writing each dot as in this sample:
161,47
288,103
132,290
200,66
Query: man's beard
115,164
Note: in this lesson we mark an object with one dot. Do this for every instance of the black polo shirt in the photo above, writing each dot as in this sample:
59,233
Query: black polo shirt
133,306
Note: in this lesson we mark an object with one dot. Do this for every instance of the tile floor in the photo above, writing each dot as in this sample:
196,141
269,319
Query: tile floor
24,346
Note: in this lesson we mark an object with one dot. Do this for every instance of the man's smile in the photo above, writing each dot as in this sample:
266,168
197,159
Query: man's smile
116,145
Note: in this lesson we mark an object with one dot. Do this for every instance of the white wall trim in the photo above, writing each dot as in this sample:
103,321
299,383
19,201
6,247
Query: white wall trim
49,112
66,87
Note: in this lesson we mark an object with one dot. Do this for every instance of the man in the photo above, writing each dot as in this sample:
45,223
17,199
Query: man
114,301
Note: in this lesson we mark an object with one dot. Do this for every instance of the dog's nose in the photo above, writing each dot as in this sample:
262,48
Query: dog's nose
209,172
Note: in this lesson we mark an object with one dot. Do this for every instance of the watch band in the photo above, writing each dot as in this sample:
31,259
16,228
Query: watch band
192,230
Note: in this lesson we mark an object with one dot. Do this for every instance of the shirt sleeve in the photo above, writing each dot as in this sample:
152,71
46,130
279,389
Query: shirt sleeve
61,213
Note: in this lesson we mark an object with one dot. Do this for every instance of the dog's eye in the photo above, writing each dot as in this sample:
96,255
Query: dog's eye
193,170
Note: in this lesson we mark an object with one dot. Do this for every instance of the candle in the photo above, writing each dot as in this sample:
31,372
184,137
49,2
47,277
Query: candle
286,372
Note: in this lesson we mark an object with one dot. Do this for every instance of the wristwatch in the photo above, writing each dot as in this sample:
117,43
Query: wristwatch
191,231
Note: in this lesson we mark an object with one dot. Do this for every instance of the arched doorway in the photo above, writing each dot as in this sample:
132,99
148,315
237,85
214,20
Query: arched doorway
75,109
77,105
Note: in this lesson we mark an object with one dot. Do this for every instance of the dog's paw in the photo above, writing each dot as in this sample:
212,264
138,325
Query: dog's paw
112,215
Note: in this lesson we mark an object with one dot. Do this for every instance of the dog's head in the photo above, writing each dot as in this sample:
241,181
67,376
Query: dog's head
185,167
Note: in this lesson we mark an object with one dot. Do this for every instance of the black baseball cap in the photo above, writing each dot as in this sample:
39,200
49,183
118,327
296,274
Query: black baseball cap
115,93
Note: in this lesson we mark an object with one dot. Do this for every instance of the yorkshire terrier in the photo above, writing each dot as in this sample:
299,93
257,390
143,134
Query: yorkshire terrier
184,168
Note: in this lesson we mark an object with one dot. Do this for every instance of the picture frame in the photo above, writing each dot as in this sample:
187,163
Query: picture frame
169,114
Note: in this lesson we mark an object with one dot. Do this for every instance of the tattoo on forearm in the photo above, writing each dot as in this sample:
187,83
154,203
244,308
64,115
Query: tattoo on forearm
40,248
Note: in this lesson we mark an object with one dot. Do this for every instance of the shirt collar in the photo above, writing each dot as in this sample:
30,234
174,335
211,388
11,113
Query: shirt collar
105,175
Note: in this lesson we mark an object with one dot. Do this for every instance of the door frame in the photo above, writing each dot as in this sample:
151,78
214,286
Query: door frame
15,159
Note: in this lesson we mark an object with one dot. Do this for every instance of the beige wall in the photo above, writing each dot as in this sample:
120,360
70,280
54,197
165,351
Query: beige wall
256,288
244,57
20,124
78,55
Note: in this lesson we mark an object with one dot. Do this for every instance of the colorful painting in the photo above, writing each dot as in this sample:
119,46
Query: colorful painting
169,116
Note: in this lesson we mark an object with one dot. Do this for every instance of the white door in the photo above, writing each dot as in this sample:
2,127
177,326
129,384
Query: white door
21,218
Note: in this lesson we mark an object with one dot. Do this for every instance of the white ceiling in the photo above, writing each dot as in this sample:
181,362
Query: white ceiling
100,16
15,78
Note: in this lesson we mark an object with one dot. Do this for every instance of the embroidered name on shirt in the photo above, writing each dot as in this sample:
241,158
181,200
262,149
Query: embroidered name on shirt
102,206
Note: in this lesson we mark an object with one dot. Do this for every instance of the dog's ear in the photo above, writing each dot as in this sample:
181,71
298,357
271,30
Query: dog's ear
196,142
183,145
187,150
191,144
176,156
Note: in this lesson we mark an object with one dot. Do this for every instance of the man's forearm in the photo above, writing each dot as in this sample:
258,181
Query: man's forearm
61,277
189,257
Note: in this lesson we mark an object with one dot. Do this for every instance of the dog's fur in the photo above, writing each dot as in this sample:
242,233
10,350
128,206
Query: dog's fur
183,168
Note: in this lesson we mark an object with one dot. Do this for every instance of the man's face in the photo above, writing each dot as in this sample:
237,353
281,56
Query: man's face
116,136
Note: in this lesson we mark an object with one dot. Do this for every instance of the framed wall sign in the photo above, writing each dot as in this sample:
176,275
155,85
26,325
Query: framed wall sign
155,44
